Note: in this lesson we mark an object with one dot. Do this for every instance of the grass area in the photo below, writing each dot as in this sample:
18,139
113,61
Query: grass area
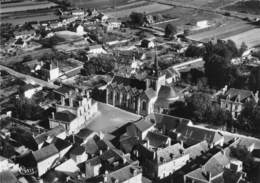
251,38
100,4
222,32
149,8
186,17
250,7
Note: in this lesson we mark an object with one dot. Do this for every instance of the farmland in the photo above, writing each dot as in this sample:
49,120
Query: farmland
186,17
223,32
149,8
100,4
251,38
26,6
250,7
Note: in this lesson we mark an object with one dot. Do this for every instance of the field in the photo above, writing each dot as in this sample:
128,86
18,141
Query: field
186,17
149,8
251,38
250,7
100,4
226,31
25,6
200,3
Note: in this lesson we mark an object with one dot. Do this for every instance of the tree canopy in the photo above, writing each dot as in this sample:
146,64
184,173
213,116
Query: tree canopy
137,19
170,30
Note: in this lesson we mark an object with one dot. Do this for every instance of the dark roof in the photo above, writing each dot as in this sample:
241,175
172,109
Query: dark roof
28,87
127,143
63,90
132,82
45,152
84,133
233,93
61,144
51,133
156,139
192,135
77,150
166,93
65,116
7,177
143,124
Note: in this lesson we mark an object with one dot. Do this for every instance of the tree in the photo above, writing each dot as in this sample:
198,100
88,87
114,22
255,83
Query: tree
250,117
194,51
137,19
254,79
198,105
170,31
243,48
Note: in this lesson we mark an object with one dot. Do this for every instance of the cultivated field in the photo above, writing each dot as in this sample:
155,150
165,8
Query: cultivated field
149,8
229,30
25,6
100,4
186,17
250,7
251,38
200,3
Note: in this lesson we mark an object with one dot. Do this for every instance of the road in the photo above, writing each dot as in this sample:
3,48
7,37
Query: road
29,78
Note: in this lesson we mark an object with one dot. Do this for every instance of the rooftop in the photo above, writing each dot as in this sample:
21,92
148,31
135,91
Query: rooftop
45,152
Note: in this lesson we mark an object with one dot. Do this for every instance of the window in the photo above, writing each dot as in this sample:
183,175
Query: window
111,95
144,105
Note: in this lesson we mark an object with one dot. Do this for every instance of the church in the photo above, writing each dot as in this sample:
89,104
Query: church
141,96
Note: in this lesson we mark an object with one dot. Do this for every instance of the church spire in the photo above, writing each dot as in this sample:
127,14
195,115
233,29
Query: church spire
156,65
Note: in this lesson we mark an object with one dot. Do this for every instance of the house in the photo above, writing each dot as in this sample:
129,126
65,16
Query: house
38,162
49,136
159,163
140,128
191,135
233,99
84,135
29,90
25,34
80,30
74,111
73,169
105,161
96,49
7,165
131,173
50,71
78,12
145,43
78,154
112,23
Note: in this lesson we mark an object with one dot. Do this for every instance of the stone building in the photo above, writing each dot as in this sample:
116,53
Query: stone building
140,96
74,110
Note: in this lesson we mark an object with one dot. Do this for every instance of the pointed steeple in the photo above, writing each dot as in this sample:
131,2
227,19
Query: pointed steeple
156,65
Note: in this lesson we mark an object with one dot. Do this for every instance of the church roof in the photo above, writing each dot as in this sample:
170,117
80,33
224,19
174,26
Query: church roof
132,82
167,93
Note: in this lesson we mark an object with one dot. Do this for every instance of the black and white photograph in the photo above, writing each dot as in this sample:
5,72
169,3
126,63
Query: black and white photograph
130,91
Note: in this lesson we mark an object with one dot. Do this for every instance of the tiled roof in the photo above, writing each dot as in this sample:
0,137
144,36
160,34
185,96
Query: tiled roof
7,177
45,152
133,83
156,139
197,149
77,150
63,90
143,124
65,116
150,93
84,133
169,153
124,174
233,93
127,143
192,135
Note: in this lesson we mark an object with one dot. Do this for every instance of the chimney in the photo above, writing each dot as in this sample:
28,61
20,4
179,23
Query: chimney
100,152
224,90
71,101
154,155
238,98
62,100
256,97
53,115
